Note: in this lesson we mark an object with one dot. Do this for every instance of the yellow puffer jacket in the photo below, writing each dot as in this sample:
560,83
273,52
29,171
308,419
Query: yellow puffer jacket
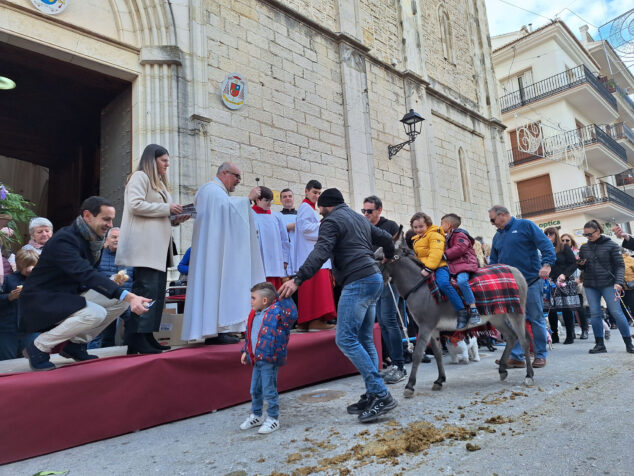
629,268
430,247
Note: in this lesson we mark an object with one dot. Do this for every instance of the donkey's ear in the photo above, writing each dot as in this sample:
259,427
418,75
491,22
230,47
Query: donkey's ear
398,234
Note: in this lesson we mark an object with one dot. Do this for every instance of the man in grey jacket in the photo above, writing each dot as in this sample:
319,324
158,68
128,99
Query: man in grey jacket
347,239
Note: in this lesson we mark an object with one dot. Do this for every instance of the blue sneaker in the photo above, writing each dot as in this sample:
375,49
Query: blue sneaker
38,360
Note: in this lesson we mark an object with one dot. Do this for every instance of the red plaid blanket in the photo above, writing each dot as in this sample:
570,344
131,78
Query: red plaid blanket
494,288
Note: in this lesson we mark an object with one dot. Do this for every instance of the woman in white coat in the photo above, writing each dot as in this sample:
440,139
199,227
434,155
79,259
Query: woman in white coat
145,242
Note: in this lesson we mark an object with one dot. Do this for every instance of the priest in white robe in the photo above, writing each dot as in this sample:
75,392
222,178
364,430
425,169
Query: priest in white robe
225,260
273,238
288,214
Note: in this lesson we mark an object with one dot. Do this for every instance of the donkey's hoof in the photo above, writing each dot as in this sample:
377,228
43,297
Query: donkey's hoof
436,386
503,375
408,392
529,382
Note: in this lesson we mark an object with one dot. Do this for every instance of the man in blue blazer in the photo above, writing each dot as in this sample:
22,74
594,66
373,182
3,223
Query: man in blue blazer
66,298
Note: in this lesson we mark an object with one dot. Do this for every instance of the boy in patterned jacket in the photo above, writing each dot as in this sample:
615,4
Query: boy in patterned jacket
268,331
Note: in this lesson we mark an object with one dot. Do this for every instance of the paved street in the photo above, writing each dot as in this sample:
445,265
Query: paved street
575,420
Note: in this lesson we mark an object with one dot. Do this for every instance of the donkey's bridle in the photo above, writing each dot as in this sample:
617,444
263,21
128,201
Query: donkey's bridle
416,286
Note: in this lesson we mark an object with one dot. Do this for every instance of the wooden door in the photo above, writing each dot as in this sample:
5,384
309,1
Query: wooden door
536,196
518,139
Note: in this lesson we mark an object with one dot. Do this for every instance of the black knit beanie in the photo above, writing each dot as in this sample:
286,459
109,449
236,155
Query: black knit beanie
330,197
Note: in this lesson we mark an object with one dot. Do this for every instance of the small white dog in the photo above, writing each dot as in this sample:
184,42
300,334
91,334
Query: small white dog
464,350
472,346
458,352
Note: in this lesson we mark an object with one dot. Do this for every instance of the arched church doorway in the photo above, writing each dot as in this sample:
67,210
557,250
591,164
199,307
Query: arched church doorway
65,132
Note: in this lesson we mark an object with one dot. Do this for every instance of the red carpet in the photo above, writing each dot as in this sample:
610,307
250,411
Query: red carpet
42,412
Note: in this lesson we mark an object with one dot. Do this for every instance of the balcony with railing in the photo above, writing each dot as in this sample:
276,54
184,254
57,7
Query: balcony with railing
602,151
624,136
625,179
601,200
580,86
627,102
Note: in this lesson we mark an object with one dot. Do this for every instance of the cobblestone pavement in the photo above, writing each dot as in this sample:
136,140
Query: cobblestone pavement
575,420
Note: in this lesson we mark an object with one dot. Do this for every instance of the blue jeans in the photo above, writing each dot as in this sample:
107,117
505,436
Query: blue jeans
534,315
390,330
465,288
264,385
596,314
444,283
355,321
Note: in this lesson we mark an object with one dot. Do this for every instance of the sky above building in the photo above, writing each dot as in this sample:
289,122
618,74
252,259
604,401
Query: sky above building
510,15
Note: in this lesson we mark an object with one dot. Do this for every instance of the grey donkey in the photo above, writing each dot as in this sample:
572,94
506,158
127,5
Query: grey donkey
405,272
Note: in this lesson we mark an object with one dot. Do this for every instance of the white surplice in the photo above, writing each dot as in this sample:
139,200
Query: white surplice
306,234
274,243
224,264
286,219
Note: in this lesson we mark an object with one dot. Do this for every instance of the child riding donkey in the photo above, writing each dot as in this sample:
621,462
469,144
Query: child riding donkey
429,246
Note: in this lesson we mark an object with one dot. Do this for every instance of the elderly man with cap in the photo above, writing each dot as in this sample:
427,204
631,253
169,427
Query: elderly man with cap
347,239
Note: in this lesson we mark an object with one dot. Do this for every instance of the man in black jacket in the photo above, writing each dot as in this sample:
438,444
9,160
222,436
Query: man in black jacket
348,240
65,297
386,305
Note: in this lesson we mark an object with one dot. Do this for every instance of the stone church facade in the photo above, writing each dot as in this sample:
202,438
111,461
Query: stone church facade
328,82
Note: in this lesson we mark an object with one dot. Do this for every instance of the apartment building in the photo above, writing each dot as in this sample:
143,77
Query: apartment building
569,123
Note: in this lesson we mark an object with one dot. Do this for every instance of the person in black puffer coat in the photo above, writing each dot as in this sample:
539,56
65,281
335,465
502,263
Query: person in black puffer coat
561,271
601,261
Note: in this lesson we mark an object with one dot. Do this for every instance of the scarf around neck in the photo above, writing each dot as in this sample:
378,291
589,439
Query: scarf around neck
35,244
87,233
260,210
312,205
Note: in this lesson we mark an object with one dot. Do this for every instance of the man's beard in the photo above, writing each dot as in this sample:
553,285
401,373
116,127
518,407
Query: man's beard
325,213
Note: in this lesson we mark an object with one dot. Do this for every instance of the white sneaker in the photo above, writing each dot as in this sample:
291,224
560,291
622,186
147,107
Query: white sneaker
269,426
251,422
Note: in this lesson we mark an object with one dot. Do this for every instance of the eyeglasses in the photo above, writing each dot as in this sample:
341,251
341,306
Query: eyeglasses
588,235
367,211
550,233
238,176
493,220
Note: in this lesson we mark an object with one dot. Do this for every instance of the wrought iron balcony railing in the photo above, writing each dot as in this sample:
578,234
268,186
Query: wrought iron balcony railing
575,139
625,178
625,97
553,85
574,198
619,131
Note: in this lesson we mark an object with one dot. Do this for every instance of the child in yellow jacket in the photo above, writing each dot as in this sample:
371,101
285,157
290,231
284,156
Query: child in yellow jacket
429,246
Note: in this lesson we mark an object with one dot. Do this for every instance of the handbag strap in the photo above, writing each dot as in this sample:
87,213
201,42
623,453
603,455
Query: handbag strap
596,258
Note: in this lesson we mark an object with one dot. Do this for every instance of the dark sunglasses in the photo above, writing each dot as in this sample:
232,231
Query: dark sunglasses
493,221
588,235
549,233
367,211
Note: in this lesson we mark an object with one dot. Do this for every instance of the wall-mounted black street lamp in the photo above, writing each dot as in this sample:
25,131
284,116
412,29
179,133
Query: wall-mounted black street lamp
412,123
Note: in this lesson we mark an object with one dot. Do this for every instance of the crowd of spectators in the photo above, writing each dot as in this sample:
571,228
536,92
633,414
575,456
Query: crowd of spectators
599,273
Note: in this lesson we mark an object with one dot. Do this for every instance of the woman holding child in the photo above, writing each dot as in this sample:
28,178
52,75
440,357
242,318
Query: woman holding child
429,246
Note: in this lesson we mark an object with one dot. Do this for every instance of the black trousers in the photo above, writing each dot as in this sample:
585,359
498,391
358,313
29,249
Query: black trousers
149,283
569,321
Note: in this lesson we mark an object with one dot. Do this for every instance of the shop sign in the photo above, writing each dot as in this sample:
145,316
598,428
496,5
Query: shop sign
50,7
234,91
550,223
